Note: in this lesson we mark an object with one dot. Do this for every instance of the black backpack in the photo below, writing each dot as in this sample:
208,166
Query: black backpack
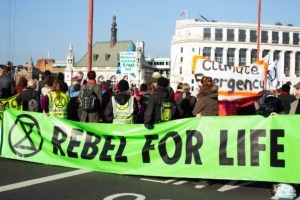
33,105
88,100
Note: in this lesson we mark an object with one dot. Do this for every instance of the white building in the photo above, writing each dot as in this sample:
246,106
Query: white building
233,44
161,65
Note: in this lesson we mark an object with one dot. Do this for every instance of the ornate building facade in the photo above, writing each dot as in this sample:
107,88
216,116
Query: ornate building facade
105,61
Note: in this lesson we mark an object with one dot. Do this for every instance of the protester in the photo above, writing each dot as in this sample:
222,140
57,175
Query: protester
48,82
154,78
72,110
42,82
55,103
90,100
105,99
64,85
286,98
178,91
27,95
295,106
185,102
7,85
123,107
269,104
207,99
21,85
156,112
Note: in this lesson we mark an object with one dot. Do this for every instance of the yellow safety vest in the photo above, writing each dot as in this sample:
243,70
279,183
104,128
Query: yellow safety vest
58,107
123,114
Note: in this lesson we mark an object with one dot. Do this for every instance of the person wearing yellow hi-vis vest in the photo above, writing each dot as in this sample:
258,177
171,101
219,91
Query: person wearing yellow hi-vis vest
55,102
123,107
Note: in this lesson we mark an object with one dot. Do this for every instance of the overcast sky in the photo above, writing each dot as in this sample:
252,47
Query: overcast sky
39,28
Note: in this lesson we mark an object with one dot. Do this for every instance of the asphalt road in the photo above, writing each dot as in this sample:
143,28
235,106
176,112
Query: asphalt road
24,180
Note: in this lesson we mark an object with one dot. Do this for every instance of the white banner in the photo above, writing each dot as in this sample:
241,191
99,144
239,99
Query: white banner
128,62
235,82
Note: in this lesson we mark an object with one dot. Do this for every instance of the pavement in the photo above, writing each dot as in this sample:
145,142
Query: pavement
25,180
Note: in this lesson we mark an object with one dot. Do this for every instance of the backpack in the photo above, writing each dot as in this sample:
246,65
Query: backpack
88,100
167,110
33,105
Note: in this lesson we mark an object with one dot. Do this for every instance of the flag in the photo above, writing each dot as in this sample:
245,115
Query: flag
185,12
272,75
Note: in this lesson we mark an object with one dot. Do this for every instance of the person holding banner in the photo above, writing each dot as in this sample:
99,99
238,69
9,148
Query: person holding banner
286,98
185,102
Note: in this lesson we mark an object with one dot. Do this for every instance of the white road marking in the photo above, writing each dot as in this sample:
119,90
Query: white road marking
231,185
158,181
180,182
41,180
201,184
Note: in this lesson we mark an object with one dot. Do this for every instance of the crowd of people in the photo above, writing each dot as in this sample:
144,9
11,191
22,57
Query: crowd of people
86,100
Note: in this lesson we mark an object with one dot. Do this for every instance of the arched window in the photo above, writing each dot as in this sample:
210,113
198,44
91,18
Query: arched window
113,82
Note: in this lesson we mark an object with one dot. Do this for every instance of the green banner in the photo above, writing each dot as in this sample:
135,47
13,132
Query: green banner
8,103
236,147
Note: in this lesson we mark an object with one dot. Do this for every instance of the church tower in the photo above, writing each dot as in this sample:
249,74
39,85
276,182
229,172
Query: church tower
113,39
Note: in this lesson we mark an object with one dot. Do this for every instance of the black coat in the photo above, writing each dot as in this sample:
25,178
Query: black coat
153,114
26,95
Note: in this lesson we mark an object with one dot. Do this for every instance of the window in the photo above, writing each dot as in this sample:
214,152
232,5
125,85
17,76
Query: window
95,57
219,55
206,51
253,36
242,35
230,35
276,54
295,38
206,34
287,63
242,57
181,49
253,55
297,64
107,56
275,37
264,37
181,59
265,52
230,56
180,70
219,34
285,38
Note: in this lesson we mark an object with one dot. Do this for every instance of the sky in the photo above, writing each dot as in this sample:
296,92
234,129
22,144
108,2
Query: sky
45,28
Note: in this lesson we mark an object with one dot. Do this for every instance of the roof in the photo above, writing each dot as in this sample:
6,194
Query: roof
104,55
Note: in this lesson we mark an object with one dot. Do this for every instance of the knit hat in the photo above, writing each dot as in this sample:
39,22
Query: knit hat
123,85
163,82
155,76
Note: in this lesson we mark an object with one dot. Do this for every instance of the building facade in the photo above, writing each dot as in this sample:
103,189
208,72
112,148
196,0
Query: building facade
233,44
161,65
106,58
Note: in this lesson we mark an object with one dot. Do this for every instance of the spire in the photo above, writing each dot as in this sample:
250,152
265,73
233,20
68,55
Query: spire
70,48
113,39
